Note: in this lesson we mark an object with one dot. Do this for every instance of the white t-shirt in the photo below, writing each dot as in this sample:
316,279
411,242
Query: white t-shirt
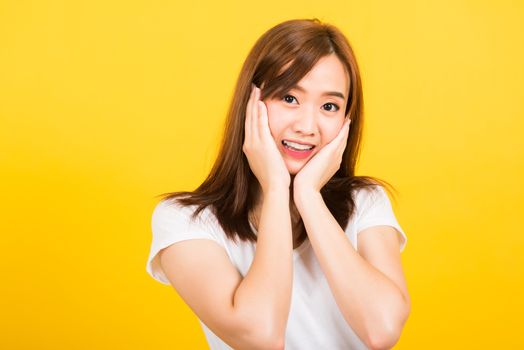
315,321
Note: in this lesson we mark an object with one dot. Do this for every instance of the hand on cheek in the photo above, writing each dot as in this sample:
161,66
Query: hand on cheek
323,165
260,149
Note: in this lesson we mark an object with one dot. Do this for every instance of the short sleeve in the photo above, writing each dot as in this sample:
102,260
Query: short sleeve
171,223
374,208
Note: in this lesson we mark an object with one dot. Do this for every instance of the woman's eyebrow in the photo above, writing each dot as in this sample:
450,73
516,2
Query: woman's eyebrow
326,93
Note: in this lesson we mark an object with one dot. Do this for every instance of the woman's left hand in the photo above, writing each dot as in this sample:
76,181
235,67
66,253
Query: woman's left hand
323,165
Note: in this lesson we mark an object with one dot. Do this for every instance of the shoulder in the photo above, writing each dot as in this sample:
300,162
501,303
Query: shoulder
373,208
173,222
174,212
365,196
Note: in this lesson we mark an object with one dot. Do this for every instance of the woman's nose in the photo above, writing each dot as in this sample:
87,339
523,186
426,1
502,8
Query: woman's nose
305,121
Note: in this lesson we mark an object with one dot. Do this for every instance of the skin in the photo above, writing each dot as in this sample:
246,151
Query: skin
368,285
306,116
309,117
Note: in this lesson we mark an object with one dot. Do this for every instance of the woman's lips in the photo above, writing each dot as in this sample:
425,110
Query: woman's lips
295,153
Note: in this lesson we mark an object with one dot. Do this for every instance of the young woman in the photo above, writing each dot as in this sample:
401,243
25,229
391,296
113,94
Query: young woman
266,251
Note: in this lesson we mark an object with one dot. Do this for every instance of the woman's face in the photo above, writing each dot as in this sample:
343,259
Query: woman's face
310,114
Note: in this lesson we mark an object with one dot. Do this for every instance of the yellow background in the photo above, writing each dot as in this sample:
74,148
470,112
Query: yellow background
105,104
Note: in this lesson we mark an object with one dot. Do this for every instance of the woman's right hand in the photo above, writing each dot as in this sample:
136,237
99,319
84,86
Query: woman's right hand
260,148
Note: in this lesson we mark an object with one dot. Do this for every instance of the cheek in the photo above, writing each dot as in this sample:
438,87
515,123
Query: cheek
331,130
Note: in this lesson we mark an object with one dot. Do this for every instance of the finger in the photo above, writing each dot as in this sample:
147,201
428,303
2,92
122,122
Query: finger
264,131
344,130
339,142
255,127
249,106
344,133
249,119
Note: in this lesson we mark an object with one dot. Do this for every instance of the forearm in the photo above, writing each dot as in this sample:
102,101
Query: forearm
371,303
264,295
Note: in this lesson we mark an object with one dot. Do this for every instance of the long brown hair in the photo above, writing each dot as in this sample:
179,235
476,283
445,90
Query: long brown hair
278,61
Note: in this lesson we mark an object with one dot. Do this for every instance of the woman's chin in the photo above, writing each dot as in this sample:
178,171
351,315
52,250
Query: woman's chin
294,168
294,165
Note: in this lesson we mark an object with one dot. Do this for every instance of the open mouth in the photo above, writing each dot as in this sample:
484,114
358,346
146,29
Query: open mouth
298,147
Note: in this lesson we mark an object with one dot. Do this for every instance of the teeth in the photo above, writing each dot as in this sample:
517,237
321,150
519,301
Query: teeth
297,145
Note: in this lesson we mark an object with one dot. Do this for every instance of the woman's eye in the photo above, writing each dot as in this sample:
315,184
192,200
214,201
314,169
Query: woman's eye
288,98
332,104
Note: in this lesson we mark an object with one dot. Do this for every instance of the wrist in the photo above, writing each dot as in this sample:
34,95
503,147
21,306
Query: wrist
280,192
303,196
